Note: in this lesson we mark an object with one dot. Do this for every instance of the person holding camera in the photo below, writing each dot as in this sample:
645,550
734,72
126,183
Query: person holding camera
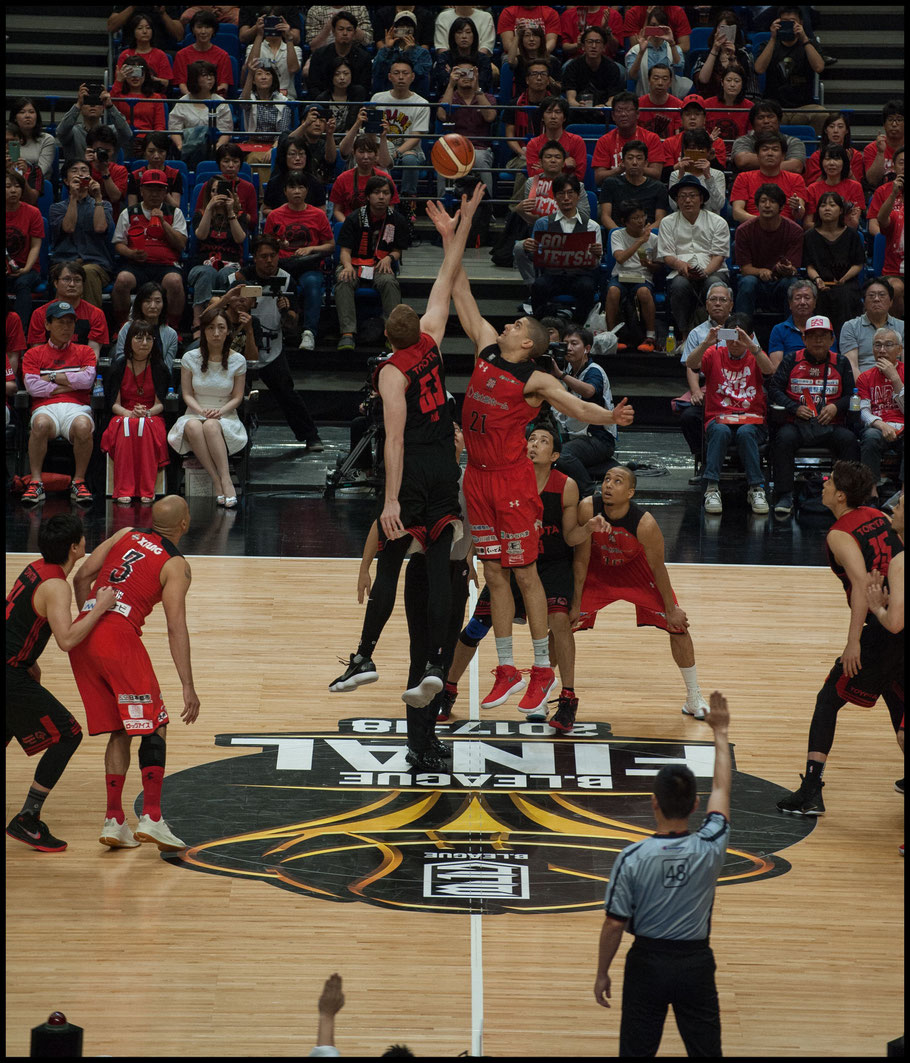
886,215
220,233
305,241
81,228
273,49
696,154
401,43
464,109
735,408
93,109
879,156
139,38
150,238
769,252
791,60
274,311
112,177
587,449
134,91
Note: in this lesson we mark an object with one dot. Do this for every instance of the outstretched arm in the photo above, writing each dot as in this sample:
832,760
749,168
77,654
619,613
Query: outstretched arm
454,238
718,719
547,387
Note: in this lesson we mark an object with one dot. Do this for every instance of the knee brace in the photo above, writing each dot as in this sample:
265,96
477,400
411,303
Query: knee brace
152,750
477,629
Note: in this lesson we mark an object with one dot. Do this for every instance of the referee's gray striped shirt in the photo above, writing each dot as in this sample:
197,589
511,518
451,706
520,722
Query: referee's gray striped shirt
665,884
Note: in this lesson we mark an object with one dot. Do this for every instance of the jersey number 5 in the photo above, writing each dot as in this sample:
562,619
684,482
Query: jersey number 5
123,572
432,395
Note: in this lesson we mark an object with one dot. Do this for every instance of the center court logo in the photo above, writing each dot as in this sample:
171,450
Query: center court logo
523,821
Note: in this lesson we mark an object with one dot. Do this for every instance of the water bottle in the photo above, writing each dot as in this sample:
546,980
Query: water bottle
98,389
671,341
855,403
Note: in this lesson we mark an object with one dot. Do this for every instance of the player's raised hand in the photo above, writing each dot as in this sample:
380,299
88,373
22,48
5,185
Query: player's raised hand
445,225
623,412
718,718
469,206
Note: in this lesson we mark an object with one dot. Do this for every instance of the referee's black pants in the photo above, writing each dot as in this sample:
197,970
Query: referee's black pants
659,974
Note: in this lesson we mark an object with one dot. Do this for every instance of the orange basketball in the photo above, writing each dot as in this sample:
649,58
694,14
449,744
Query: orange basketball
452,156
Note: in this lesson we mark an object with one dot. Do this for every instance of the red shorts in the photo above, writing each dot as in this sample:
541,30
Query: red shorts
506,513
649,605
116,681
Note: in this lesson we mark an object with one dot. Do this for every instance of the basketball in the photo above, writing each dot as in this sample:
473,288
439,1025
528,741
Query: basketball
452,156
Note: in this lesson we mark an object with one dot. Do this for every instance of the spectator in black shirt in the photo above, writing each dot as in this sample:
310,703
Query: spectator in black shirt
464,48
220,232
635,185
790,60
592,79
384,18
321,64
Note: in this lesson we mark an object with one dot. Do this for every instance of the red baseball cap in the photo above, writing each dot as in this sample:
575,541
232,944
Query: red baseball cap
154,177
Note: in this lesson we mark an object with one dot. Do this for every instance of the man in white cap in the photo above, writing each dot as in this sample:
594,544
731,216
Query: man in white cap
59,376
814,386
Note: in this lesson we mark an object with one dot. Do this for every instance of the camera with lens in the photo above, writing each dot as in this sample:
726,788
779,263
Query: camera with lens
557,355
102,155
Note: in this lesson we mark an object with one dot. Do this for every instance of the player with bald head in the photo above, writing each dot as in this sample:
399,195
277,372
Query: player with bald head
620,547
113,671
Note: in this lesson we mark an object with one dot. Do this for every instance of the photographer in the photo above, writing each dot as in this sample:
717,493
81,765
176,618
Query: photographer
470,112
220,233
587,449
81,227
91,110
400,43
791,59
274,312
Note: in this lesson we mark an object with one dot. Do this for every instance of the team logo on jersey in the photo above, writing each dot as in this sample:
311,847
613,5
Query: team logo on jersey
521,821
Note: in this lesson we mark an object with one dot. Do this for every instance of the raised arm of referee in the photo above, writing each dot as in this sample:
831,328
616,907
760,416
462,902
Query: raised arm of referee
662,890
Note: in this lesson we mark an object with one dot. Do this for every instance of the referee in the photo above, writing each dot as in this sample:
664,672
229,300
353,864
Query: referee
663,889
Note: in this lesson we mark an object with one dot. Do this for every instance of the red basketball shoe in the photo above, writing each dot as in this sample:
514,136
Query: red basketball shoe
508,681
543,682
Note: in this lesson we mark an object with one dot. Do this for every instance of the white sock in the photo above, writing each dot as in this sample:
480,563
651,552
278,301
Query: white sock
693,694
541,652
504,650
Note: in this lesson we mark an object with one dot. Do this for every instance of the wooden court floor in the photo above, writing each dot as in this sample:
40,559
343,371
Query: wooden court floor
156,960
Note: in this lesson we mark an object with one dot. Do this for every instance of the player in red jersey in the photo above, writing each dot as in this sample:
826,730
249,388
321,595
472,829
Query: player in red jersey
112,667
860,540
622,548
37,607
505,392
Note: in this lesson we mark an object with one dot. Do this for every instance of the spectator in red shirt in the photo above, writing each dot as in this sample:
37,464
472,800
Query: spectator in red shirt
230,158
878,157
769,251
835,164
305,241
770,149
100,153
835,130
637,15
203,26
607,160
554,114
886,215
349,190
68,279
881,391
518,15
59,376
15,348
730,110
135,81
138,35
692,116
575,20
24,233
664,122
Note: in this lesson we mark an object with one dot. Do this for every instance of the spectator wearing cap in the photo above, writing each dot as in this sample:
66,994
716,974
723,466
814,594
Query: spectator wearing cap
343,45
857,334
276,51
692,116
68,279
694,243
878,157
150,238
770,149
154,151
86,114
765,117
659,110
790,61
24,235
385,17
635,185
592,78
696,154
735,408
203,26
769,252
607,158
813,386
59,375
317,131
401,43
881,396
188,122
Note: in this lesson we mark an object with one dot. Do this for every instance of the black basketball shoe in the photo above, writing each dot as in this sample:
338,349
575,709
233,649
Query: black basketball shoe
26,827
445,705
564,717
360,670
899,786
426,760
440,749
429,685
806,801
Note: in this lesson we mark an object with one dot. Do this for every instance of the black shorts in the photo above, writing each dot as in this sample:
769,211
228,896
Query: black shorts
428,495
881,668
558,585
149,271
34,717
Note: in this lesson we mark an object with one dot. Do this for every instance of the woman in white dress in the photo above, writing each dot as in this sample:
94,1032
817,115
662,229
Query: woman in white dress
212,380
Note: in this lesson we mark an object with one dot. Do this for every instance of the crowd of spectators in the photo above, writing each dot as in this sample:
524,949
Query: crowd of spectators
233,146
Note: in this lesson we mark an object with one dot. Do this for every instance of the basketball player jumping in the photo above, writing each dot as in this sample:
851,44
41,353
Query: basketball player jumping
505,392
860,540
622,550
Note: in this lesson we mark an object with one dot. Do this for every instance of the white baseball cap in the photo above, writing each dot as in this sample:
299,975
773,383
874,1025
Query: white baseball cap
819,322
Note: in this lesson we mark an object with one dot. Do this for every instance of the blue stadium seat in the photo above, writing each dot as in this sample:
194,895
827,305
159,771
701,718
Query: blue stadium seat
505,83
757,42
805,133
878,254
699,37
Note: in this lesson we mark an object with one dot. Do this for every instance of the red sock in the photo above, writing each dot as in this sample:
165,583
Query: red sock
451,688
152,778
567,692
114,784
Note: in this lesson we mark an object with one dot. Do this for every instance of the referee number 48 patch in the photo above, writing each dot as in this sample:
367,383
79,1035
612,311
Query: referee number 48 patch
676,872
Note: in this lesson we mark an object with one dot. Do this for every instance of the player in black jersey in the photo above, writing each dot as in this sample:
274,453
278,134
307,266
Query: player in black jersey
860,541
37,607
